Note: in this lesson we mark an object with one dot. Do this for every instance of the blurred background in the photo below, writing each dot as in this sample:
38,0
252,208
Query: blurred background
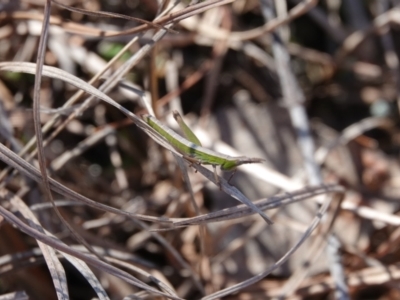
312,87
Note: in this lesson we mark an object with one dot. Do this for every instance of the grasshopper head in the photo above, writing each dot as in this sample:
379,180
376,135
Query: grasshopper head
231,165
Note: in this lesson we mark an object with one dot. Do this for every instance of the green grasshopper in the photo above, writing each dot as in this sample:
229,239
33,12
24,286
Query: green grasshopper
193,151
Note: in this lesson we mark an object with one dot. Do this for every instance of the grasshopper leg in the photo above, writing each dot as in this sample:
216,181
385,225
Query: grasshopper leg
230,177
216,177
191,161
